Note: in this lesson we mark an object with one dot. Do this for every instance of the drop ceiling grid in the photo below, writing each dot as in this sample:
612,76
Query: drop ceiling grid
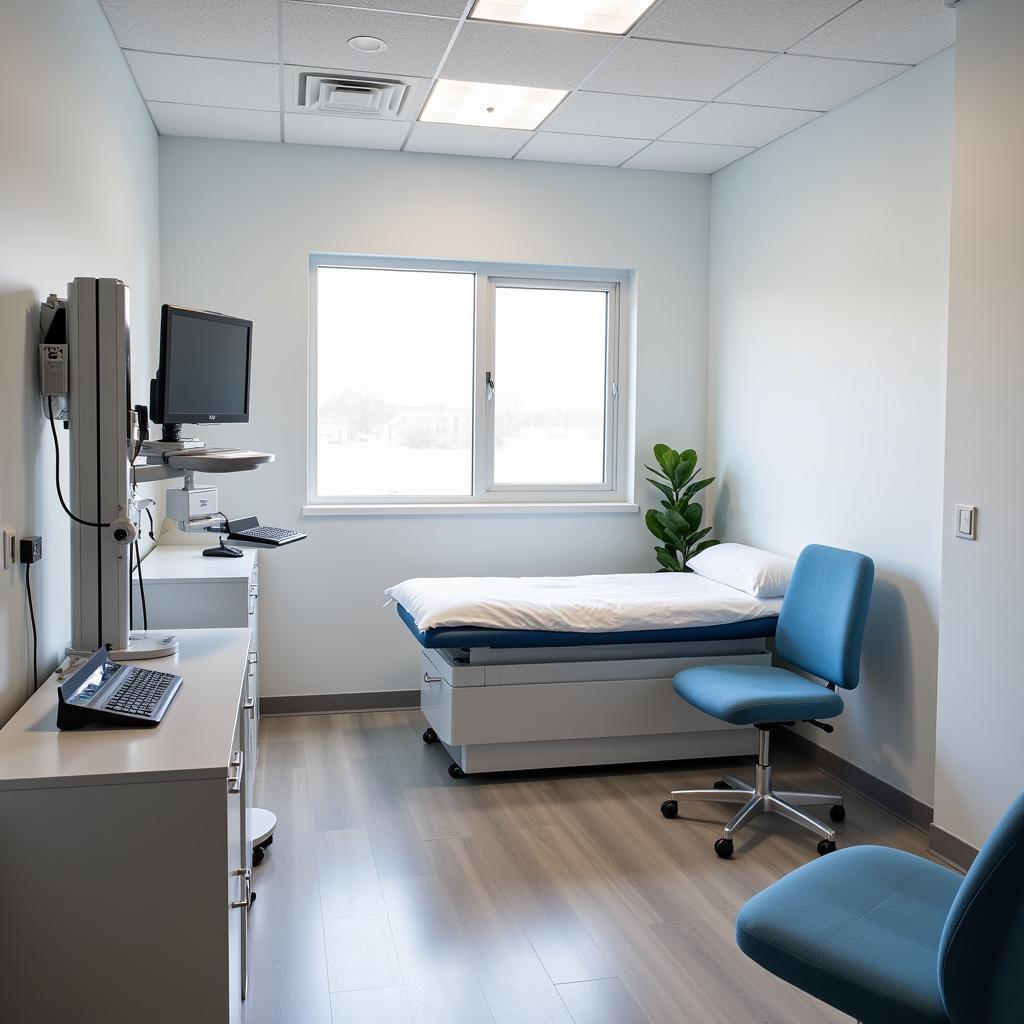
741,54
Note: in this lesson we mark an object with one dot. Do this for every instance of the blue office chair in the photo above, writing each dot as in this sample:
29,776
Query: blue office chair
891,938
821,627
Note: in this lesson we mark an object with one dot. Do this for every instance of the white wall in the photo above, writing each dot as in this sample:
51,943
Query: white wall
980,734
78,196
238,222
827,370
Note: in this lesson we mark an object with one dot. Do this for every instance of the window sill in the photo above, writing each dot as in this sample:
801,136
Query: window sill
475,508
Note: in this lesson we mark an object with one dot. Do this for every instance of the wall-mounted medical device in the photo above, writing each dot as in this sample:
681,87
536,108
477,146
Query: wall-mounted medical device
85,380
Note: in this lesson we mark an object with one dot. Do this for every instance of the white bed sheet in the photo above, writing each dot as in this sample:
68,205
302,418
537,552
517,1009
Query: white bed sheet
579,604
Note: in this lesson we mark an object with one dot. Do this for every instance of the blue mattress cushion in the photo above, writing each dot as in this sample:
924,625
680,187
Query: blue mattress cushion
859,929
753,694
482,636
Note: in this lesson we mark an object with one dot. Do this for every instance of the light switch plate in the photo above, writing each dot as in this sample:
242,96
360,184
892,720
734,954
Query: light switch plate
966,521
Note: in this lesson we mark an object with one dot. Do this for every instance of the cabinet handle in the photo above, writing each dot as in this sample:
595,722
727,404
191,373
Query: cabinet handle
250,705
235,781
247,894
432,679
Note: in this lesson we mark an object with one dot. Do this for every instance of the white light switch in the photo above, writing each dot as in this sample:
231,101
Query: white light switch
965,521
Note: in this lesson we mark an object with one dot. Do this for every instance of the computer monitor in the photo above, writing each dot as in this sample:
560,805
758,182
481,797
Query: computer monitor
203,376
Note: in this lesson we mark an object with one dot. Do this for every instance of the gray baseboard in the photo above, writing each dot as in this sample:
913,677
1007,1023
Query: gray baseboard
335,703
950,848
901,804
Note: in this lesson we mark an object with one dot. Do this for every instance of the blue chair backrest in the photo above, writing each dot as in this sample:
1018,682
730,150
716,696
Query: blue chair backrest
821,625
981,953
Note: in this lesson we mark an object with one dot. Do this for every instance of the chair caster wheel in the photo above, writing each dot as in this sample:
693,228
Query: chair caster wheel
670,808
826,846
722,784
430,737
258,853
723,847
837,813
455,771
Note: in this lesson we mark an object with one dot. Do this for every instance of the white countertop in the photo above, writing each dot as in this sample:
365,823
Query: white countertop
192,741
176,563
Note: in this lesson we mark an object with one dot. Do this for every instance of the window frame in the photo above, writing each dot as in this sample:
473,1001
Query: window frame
616,490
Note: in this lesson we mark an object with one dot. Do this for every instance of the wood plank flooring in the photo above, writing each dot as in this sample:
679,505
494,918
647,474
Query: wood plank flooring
395,895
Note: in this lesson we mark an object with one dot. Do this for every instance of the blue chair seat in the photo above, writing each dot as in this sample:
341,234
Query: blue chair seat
859,929
754,694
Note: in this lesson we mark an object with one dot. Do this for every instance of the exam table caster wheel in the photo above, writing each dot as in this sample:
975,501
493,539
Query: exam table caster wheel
723,847
837,813
430,737
670,808
826,846
722,784
455,771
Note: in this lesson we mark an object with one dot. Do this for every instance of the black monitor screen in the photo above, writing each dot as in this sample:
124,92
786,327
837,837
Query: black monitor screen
204,367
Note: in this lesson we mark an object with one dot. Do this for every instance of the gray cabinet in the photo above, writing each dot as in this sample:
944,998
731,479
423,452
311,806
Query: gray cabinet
125,865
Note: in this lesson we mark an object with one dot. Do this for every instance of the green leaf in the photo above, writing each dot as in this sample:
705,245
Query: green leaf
670,562
699,535
684,469
664,488
698,485
693,515
668,459
656,472
654,524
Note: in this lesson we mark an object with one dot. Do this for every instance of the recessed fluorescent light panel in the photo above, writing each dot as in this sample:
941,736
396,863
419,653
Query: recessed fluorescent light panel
490,106
615,17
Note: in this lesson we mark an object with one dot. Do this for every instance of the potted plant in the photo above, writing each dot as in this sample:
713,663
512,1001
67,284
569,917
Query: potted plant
677,523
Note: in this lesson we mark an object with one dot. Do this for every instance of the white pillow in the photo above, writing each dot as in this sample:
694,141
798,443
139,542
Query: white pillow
755,572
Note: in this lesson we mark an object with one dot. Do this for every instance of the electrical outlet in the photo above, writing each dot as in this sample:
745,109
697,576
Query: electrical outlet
10,549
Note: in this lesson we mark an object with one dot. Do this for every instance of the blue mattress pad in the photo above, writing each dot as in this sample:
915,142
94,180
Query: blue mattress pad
481,636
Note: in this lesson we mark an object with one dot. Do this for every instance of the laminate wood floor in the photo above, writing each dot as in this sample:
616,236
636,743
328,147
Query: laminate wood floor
395,895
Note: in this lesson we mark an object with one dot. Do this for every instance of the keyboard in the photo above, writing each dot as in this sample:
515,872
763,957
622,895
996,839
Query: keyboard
101,691
249,529
140,693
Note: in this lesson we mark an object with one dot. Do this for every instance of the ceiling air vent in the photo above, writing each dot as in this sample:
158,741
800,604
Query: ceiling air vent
325,93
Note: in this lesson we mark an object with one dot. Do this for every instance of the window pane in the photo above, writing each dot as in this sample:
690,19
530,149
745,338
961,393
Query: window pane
550,386
394,383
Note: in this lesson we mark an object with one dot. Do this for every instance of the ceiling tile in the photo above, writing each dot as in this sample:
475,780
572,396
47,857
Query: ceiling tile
628,117
441,8
411,105
901,31
465,140
205,81
753,24
686,156
732,125
216,122
514,55
810,83
645,68
329,130
579,149
203,28
319,34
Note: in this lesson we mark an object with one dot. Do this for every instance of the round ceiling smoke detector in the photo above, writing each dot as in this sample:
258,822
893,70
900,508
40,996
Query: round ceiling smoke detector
367,44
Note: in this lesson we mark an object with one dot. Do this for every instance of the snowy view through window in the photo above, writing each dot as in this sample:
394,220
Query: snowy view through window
395,359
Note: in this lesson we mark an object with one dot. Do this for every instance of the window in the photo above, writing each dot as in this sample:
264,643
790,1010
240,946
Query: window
457,384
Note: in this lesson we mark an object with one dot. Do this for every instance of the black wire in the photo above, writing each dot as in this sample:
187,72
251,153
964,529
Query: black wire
142,587
35,635
56,452
151,526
